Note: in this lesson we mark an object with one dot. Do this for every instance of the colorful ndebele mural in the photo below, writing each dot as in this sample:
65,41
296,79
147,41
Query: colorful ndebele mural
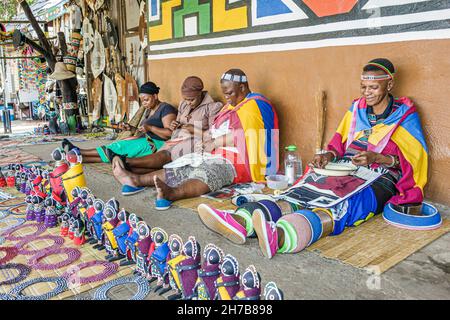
189,28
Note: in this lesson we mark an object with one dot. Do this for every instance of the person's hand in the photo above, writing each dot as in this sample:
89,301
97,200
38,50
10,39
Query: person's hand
321,160
189,127
174,125
365,158
142,129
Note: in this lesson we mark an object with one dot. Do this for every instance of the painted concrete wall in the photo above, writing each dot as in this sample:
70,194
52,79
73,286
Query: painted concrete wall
291,79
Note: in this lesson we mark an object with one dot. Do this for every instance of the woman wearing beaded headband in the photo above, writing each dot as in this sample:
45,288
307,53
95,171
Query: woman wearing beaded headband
379,132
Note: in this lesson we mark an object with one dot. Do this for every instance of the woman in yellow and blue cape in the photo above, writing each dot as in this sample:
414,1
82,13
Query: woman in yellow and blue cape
380,132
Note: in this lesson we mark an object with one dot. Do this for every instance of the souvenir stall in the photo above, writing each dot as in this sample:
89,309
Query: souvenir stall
114,57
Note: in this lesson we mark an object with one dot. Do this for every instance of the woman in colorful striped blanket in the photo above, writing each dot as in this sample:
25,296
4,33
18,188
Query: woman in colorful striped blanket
378,132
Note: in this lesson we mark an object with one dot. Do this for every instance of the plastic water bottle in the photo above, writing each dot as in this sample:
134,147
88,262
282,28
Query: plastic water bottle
292,164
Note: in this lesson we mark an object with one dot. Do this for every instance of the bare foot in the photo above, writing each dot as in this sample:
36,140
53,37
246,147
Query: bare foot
123,176
163,191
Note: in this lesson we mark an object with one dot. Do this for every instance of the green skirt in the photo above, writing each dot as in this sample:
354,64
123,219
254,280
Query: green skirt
131,148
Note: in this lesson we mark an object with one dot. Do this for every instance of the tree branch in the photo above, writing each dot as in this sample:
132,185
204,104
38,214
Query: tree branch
62,43
45,44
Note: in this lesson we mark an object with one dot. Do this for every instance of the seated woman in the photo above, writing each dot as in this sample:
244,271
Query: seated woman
196,114
379,132
243,141
153,130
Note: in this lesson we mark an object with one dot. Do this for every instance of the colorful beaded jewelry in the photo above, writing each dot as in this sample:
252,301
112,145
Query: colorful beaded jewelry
110,269
11,253
61,286
57,243
72,256
24,271
40,228
143,288
18,222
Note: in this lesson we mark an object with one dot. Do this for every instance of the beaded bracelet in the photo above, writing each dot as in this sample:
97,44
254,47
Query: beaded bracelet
72,256
18,222
143,288
24,271
40,228
110,269
6,297
61,286
57,243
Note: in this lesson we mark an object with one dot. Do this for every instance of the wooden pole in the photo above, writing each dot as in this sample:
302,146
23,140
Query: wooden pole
321,117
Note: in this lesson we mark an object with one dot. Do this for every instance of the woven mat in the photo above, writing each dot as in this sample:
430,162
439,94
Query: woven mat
374,243
8,156
87,254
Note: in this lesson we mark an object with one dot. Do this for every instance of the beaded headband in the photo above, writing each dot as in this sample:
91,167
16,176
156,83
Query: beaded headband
388,75
234,78
163,232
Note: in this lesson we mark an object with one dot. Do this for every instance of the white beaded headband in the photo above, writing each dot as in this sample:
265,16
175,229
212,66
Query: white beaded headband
234,78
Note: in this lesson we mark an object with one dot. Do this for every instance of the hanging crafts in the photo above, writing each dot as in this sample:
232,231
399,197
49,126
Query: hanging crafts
88,36
97,90
121,98
132,96
110,97
98,61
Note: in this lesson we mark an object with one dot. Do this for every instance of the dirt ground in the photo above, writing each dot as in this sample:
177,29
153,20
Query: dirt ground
305,275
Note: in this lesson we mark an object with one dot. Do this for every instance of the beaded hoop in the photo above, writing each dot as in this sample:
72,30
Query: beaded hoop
142,291
61,286
4,214
57,243
110,269
40,229
6,297
72,256
18,222
11,253
24,271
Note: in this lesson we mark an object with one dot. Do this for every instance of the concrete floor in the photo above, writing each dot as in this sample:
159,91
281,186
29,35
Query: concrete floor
305,275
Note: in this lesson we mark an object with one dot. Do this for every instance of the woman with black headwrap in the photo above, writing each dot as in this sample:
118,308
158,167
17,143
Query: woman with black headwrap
148,137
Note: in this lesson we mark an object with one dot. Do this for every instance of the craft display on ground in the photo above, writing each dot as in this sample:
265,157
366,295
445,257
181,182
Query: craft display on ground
65,217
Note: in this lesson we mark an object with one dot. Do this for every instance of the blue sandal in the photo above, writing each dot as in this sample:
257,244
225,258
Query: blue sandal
162,204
